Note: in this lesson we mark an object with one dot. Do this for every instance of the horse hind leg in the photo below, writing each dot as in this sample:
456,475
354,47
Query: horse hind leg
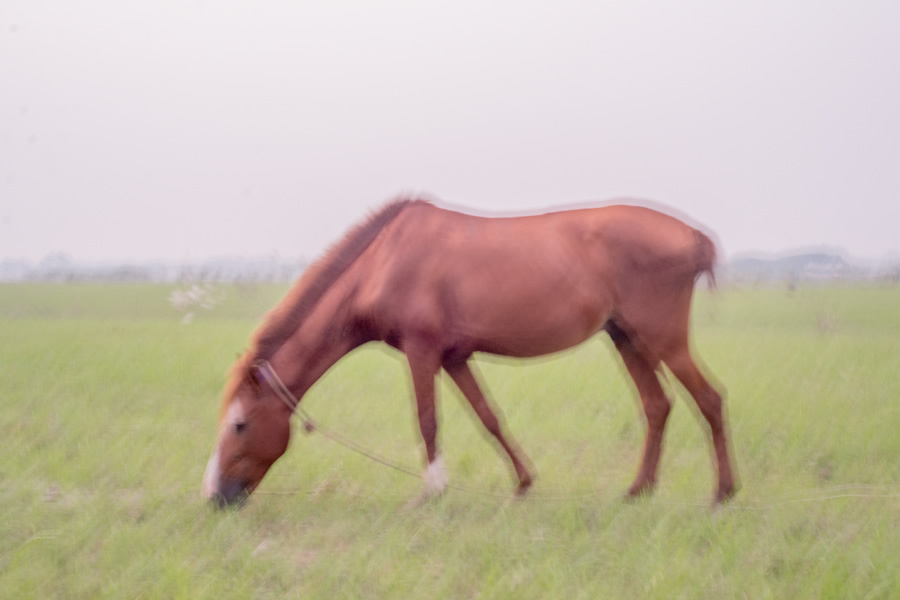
709,402
465,380
655,404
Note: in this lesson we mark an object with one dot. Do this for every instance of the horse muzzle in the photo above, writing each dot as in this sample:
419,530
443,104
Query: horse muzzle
223,493
231,493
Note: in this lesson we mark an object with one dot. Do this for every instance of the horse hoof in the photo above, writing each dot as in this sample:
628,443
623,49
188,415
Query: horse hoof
522,489
723,495
639,492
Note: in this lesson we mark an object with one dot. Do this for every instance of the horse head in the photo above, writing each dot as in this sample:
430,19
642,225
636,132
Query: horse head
254,430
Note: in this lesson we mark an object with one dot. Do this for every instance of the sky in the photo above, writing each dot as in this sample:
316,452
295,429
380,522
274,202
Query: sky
178,130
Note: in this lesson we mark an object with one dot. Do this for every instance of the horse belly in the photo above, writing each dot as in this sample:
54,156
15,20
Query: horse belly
533,321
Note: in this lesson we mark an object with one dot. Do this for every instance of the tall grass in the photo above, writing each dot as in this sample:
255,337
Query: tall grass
108,407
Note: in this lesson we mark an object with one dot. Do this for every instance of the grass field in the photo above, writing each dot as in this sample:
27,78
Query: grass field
108,407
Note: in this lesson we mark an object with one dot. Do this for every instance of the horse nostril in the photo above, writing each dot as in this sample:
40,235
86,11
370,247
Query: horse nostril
231,494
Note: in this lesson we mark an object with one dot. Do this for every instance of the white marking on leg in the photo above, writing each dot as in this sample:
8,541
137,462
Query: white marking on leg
436,477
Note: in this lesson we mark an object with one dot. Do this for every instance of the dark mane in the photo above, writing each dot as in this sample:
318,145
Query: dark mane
293,310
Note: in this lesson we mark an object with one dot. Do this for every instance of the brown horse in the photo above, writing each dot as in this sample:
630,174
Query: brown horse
440,285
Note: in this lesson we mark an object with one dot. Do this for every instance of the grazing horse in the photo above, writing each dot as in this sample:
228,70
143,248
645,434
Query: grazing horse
439,286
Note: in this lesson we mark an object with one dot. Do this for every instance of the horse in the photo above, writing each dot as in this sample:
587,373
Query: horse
441,285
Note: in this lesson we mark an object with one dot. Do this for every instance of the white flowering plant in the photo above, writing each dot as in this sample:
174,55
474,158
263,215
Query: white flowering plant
193,297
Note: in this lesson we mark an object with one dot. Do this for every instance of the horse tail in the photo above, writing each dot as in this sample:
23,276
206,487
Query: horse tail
705,257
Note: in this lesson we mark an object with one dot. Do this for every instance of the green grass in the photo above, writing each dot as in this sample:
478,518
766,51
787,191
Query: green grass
108,407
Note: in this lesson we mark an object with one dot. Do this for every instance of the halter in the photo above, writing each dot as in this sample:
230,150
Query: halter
264,368
268,374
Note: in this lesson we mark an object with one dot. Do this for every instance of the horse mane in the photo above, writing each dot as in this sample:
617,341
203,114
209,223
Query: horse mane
289,314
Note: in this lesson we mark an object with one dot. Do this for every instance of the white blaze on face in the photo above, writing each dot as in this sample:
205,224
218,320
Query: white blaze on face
213,474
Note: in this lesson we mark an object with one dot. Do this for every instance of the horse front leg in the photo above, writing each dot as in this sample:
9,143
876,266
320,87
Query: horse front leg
465,380
424,365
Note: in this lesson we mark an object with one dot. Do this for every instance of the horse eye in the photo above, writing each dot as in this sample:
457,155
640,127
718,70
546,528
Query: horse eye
240,427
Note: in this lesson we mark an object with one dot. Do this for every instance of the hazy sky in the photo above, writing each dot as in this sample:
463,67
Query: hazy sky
183,130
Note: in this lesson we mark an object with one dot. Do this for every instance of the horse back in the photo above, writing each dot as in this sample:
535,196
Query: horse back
519,285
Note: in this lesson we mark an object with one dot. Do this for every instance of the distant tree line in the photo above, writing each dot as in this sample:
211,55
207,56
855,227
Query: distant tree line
61,269
790,269
821,267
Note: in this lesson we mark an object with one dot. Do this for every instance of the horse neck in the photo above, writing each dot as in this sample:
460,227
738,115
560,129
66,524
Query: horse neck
325,337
